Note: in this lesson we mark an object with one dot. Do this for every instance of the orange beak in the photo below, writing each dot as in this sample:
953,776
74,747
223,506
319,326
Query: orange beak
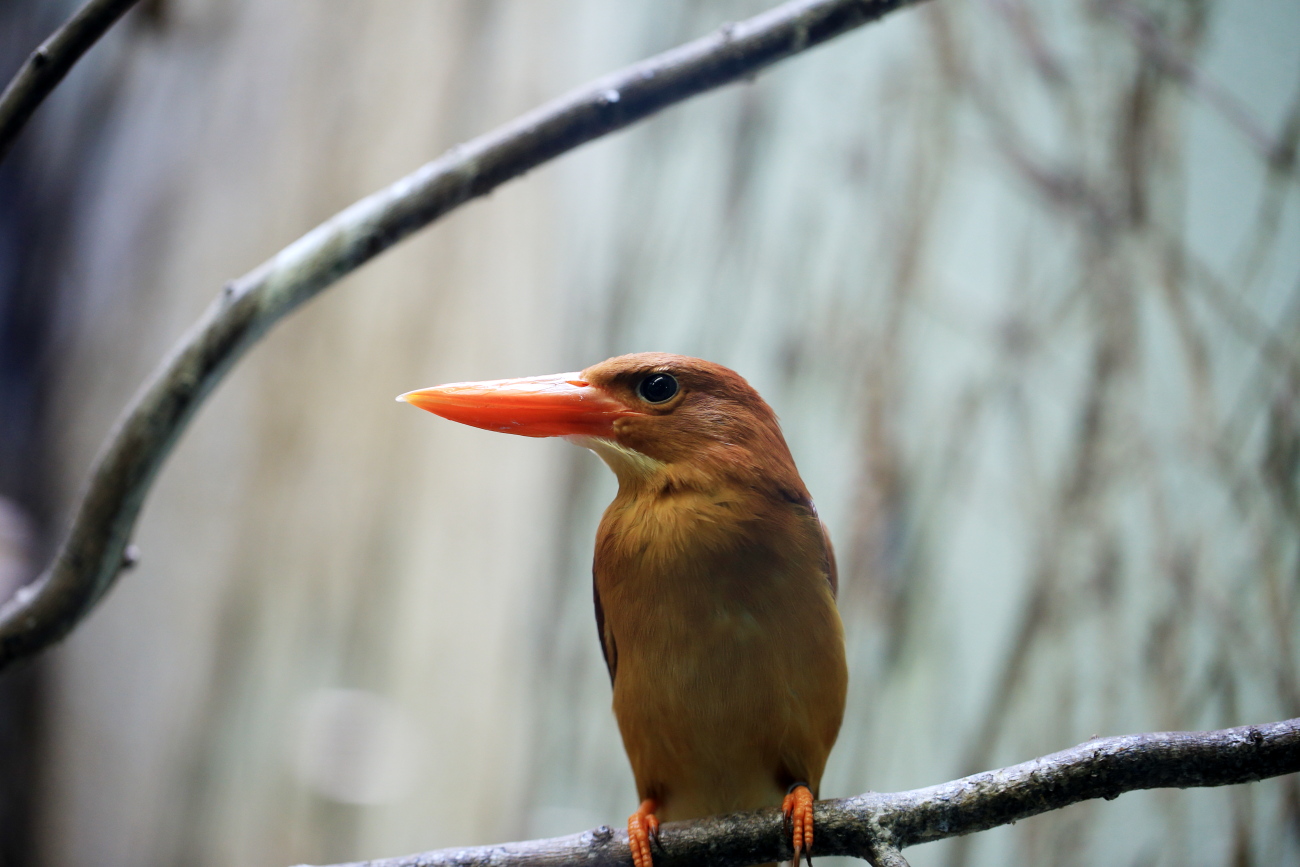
559,405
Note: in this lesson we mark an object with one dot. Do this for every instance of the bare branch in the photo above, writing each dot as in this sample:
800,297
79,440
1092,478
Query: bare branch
46,66
876,826
1146,33
91,556
879,853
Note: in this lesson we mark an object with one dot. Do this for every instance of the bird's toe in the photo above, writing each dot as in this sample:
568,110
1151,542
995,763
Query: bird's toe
642,826
798,810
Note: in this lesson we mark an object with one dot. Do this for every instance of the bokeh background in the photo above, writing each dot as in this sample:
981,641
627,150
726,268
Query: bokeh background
1021,278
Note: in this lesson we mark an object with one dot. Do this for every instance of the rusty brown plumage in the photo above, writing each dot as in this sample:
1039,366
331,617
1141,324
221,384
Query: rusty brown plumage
714,581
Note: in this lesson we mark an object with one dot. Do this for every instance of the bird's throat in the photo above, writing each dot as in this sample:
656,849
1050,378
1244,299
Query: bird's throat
629,465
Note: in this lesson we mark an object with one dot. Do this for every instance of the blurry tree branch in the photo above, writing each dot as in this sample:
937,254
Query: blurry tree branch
876,826
46,66
1157,48
92,554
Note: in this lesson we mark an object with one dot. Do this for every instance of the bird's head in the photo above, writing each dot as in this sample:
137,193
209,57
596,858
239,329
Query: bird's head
651,416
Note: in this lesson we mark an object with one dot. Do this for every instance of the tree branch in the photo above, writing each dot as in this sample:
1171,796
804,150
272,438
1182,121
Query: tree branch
876,826
46,66
91,556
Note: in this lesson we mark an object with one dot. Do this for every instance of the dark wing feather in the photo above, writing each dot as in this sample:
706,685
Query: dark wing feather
828,564
805,504
607,646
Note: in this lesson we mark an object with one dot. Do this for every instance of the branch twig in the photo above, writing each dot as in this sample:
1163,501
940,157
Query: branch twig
91,556
46,66
876,826
1145,31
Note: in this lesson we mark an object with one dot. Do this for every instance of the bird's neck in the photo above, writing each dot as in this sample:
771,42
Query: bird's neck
723,468
633,469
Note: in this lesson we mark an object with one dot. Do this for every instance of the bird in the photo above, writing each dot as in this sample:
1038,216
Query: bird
714,582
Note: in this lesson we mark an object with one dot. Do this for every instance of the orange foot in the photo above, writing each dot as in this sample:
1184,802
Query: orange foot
798,810
642,826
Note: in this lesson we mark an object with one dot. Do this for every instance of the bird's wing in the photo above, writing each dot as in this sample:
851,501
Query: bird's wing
828,565
607,646
807,511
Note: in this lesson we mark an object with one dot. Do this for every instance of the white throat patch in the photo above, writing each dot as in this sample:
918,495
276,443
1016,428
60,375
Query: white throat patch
621,459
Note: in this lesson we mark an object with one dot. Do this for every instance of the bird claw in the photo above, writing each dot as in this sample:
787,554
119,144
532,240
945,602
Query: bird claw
797,810
642,829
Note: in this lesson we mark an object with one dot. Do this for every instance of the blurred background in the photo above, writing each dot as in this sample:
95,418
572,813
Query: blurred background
1022,280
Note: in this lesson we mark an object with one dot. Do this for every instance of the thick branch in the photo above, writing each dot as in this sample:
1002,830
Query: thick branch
875,826
46,66
91,556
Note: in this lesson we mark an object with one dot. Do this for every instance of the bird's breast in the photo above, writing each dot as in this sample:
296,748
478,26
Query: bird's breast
730,650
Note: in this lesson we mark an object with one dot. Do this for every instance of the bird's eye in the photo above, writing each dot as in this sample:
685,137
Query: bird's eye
657,387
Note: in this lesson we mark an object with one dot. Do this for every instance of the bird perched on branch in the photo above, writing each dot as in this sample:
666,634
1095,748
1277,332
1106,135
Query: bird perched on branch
714,582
